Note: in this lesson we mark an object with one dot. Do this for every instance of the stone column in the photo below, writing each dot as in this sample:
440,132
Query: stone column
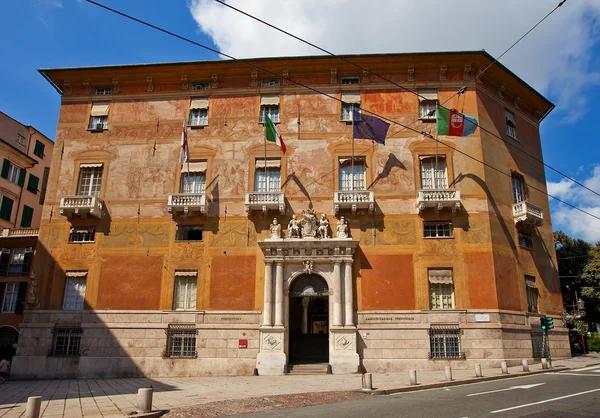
279,294
337,294
348,295
268,306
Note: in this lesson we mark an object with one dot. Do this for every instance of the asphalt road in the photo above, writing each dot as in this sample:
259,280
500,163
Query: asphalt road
573,393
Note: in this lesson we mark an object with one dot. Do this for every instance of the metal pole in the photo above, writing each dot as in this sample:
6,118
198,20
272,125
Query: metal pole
265,152
549,354
436,147
352,162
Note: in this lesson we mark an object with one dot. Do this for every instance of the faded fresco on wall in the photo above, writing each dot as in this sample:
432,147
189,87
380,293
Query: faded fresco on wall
312,169
395,232
147,110
138,235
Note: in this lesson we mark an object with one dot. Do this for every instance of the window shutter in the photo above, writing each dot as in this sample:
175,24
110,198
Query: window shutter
26,217
4,261
39,149
32,184
44,185
27,259
5,168
6,208
2,286
22,293
22,177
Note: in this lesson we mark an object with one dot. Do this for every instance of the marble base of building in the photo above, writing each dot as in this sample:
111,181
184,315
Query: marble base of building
136,343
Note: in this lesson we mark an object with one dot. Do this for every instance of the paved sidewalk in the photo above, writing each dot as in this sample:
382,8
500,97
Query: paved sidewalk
118,397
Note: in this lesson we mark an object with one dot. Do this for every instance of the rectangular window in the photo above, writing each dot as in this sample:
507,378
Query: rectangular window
6,208
99,116
102,91
26,217
532,294
434,176
184,295
33,183
198,111
350,101
38,149
444,342
345,173
437,229
428,100
193,177
270,83
189,233
9,301
181,341
525,241
201,86
267,175
82,235
20,139
350,80
441,289
67,341
269,105
511,126
75,290
90,179
13,173
19,260
44,185
518,185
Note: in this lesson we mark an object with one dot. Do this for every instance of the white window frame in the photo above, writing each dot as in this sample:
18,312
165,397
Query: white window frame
17,261
432,178
99,122
271,110
345,174
94,175
9,301
269,183
193,182
437,229
13,173
511,125
346,111
441,296
198,117
185,292
350,80
82,235
74,297
102,91
518,188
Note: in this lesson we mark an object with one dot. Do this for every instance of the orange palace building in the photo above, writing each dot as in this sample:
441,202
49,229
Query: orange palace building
247,258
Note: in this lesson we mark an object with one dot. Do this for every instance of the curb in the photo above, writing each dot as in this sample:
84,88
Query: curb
152,414
378,392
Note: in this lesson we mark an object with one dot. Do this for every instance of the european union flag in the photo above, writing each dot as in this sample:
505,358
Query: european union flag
369,127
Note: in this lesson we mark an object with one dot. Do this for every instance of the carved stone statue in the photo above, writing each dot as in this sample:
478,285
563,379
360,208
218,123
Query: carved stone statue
342,228
294,228
308,266
275,229
323,230
309,223
32,299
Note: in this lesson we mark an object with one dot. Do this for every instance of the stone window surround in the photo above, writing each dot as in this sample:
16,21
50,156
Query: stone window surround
426,148
197,153
92,157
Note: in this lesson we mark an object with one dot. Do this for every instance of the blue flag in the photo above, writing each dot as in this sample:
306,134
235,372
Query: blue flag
369,127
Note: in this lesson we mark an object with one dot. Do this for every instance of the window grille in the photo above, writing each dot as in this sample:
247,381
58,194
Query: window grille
201,86
437,229
345,174
90,180
181,341
525,240
272,111
433,177
78,236
350,80
270,83
444,342
67,341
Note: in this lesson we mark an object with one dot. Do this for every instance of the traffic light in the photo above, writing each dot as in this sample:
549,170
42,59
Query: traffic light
544,322
549,323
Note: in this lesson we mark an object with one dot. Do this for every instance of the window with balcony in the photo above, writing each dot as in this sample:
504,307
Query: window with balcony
350,101
199,111
13,173
181,340
441,289
511,126
189,233
532,294
82,235
428,100
346,176
15,261
350,80
75,284
184,295
193,177
269,105
90,179
66,341
99,116
267,175
437,229
434,176
444,342
14,296
518,186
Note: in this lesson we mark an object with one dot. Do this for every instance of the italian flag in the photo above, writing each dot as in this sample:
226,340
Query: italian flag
453,123
272,134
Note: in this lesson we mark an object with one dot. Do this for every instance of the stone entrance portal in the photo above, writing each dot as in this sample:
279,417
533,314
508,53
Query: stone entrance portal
309,320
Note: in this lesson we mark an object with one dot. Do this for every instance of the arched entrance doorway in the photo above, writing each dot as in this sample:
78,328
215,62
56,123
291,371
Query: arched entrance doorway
309,320
8,338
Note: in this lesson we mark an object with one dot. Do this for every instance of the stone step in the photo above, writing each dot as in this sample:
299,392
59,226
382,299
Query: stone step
309,368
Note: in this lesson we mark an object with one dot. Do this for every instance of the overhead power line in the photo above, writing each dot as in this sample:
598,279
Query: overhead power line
247,63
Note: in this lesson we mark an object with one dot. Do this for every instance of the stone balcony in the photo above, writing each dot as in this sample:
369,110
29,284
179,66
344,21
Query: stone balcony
19,232
353,200
438,199
82,206
265,201
188,203
528,214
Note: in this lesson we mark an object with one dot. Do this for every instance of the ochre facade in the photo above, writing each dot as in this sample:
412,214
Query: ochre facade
377,306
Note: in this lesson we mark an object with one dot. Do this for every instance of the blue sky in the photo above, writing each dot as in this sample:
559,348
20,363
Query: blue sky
560,58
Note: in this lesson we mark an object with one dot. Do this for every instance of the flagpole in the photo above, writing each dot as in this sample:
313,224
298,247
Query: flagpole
352,161
436,145
265,139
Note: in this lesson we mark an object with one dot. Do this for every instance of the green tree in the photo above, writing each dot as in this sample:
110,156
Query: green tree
573,256
590,285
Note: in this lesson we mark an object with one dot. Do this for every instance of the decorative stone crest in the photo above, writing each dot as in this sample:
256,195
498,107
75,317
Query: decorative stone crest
323,229
341,228
309,223
343,343
286,77
254,81
185,85
467,73
518,102
410,74
275,229
334,76
443,72
501,90
271,342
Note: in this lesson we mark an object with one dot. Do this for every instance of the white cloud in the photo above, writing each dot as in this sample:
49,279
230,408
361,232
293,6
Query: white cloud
553,58
576,223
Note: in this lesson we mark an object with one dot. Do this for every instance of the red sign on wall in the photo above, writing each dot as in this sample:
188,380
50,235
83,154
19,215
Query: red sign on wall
243,344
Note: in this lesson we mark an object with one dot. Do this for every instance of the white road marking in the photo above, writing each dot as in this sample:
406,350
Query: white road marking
585,369
510,388
546,401
579,374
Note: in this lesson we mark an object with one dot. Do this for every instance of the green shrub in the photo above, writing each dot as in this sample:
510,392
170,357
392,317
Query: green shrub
593,342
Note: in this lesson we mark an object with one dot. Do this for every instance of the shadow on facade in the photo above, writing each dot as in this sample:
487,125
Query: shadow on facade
392,162
59,340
